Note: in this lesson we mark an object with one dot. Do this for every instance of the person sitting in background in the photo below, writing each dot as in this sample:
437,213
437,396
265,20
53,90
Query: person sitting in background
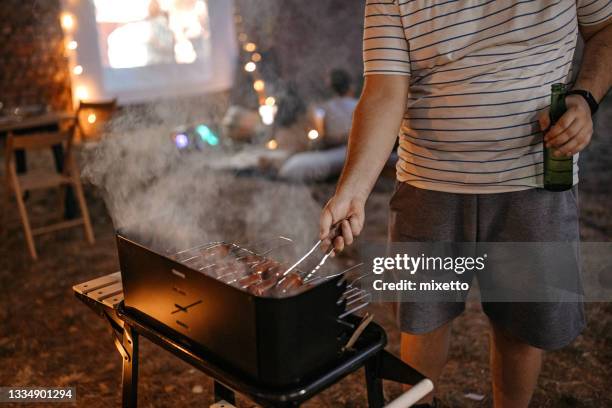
292,122
338,110
333,122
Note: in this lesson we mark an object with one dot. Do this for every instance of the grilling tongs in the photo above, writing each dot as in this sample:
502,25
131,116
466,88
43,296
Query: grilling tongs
334,232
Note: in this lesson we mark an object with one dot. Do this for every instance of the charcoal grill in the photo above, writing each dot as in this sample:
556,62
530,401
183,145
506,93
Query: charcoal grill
279,347
276,340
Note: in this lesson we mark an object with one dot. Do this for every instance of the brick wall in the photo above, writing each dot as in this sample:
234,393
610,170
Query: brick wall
33,69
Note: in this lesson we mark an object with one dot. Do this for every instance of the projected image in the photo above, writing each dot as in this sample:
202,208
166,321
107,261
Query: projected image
138,33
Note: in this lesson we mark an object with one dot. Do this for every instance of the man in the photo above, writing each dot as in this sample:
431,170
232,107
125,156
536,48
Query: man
470,86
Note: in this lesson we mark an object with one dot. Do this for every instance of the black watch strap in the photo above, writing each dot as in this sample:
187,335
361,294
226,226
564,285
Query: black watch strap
593,105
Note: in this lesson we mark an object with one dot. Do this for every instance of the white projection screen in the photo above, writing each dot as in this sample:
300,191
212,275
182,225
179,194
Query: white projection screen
139,50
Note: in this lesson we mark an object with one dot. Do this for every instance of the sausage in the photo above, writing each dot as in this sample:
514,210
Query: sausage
263,266
260,288
249,280
217,252
290,281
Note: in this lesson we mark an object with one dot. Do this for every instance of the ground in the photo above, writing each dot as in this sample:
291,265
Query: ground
48,338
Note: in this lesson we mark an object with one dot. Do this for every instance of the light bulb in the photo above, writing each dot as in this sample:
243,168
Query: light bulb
91,118
67,21
81,93
272,144
77,70
313,134
267,114
250,67
259,85
250,47
270,101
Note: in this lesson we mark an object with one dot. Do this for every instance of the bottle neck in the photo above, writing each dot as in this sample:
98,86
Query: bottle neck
557,106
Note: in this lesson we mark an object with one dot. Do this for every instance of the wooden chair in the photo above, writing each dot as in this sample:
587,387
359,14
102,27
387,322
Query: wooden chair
19,183
91,116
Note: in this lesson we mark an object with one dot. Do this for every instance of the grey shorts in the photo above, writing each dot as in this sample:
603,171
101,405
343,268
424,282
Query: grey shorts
533,215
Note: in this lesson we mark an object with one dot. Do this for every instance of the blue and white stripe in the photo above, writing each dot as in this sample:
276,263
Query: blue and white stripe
480,72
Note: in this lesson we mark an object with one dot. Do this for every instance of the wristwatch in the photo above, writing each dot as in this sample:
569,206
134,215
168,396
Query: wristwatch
593,105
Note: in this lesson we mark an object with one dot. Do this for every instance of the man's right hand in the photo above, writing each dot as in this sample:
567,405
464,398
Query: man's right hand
349,210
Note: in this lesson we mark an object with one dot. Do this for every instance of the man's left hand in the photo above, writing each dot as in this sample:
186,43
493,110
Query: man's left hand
573,132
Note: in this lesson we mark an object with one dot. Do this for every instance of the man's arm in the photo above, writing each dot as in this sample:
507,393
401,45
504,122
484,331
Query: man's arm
596,68
376,123
574,130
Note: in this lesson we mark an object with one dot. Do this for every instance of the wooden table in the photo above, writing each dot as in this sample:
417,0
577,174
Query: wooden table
11,124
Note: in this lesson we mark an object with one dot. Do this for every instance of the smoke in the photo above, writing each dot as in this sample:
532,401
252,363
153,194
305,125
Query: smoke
174,200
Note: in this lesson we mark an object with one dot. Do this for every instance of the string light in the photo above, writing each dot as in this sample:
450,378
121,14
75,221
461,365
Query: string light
313,134
91,118
259,85
77,70
267,114
267,108
272,144
81,93
72,45
67,21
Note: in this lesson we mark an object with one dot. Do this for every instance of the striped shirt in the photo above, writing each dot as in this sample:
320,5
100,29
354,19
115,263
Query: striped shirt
480,72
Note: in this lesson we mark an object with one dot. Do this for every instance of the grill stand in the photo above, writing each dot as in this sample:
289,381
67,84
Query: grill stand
104,297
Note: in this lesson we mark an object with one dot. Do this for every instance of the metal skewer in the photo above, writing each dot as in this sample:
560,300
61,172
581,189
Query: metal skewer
333,233
334,275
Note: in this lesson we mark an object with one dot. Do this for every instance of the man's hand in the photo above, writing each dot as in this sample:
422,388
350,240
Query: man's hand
573,132
349,211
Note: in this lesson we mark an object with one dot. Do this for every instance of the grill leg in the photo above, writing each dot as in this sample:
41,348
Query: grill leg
130,368
374,384
222,393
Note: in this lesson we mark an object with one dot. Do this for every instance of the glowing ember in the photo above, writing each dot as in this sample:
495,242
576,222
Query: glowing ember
256,57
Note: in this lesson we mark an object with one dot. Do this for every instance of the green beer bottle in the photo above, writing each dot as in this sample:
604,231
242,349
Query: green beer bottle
558,171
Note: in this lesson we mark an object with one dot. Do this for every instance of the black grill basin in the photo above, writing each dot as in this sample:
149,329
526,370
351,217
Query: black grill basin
277,341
